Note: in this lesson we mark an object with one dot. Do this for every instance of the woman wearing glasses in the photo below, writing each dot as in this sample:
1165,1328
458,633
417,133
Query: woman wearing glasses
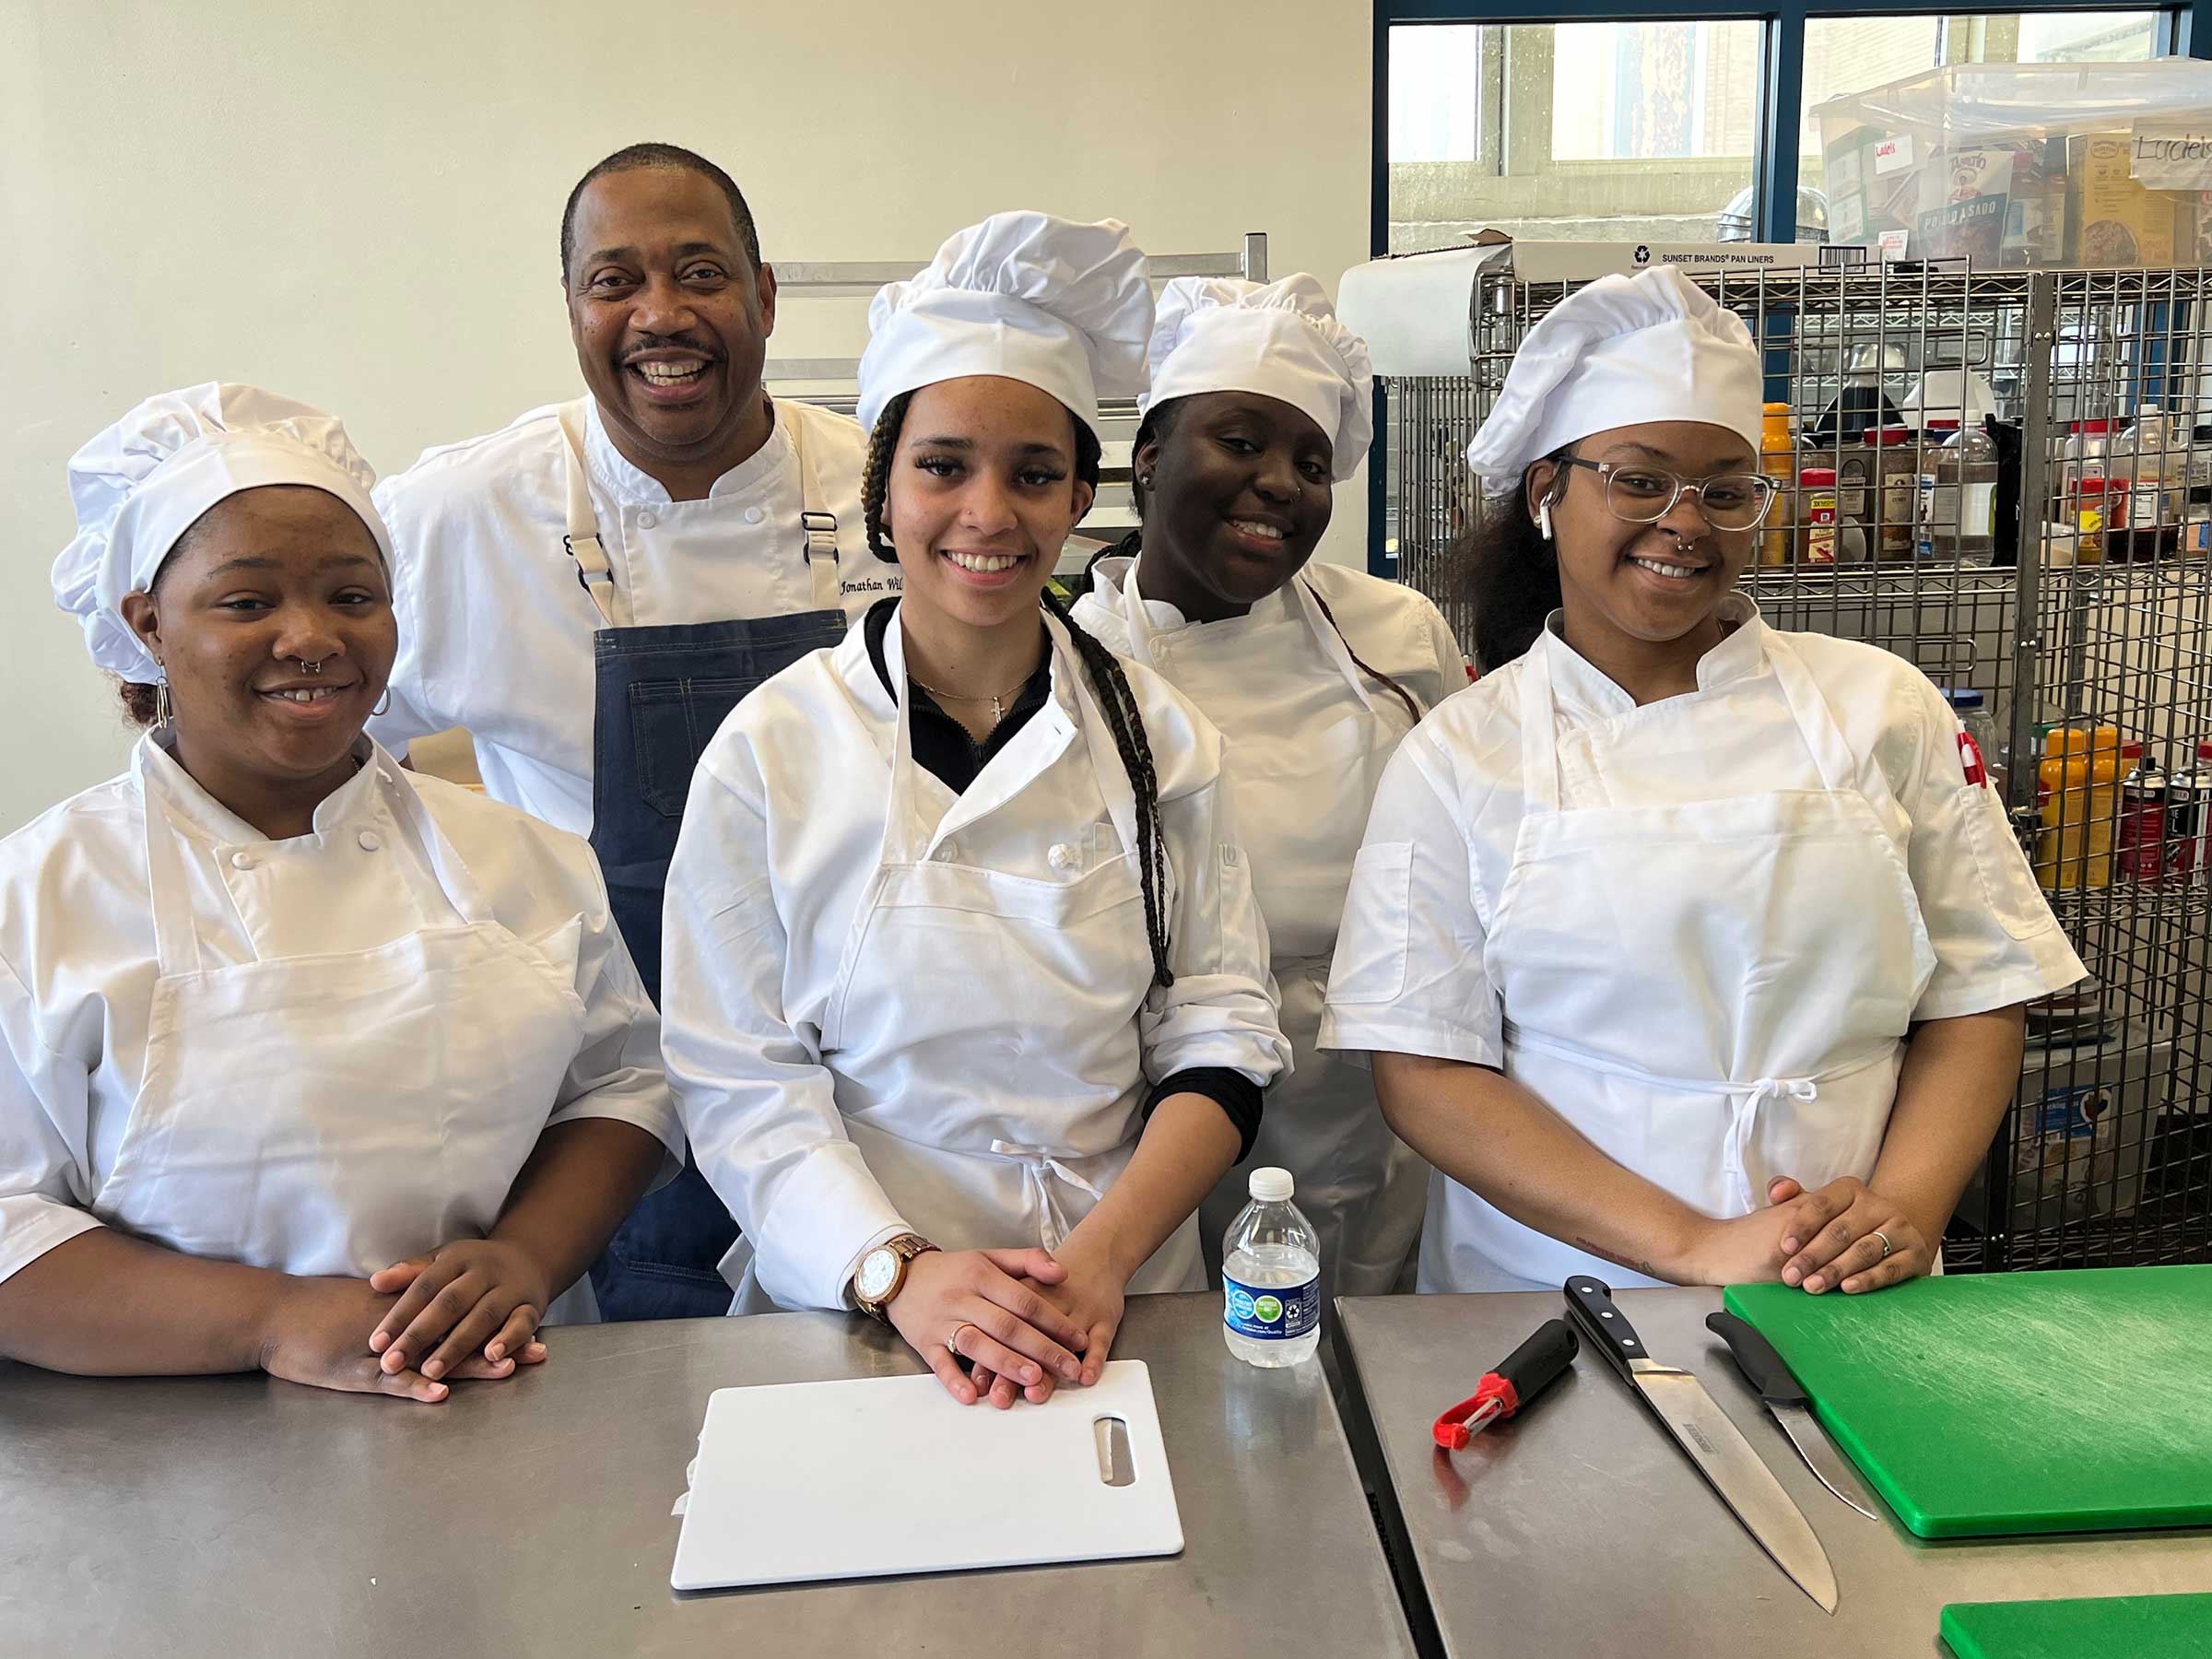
1686,951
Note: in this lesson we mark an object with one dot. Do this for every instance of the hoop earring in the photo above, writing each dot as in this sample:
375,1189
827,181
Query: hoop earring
1544,517
383,703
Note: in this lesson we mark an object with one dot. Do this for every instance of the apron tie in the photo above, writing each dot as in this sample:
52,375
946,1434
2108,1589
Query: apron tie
1044,1169
1742,1117
1746,1098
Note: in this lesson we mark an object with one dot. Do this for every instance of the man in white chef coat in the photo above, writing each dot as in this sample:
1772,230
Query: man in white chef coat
591,589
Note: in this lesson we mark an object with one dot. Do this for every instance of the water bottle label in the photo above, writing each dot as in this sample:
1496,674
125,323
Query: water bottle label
1271,1313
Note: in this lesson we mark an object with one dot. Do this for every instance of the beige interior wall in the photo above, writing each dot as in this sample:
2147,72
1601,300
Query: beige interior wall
359,205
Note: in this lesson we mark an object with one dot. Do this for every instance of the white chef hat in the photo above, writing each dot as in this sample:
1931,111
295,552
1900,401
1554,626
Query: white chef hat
1062,306
141,484
1621,352
1281,339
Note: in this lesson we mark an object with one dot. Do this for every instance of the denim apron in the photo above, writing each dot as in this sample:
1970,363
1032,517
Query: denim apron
660,693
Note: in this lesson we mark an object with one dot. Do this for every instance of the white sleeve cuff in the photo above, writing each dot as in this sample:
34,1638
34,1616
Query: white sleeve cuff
31,1224
829,1212
1384,1031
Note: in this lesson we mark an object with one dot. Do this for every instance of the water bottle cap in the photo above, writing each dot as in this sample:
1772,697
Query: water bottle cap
1271,1186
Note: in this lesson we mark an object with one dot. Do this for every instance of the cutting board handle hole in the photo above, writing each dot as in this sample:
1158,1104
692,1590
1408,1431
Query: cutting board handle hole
1110,1434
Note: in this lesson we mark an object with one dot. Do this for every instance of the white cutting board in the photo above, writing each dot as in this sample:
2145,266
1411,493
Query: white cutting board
883,1475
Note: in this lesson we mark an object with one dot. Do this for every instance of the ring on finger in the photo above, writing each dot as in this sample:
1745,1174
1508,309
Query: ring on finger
1886,1246
952,1343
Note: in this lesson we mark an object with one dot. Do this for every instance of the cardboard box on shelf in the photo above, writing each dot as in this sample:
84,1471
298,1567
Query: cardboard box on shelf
2117,221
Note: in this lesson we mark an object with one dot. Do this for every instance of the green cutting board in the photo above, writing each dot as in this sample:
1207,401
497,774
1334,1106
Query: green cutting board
2104,1627
2013,1402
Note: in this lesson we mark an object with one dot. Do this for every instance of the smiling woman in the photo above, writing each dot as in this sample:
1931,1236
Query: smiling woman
271,623
306,1064
1260,405
1683,945
966,990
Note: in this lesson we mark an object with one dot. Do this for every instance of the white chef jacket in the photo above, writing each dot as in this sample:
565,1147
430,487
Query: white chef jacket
1408,976
1299,680
776,869
495,629
77,957
1309,733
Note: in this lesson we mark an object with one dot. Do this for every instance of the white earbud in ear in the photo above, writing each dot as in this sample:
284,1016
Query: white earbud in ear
1544,517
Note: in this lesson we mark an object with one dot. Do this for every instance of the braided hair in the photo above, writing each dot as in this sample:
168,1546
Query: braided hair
1159,427
1117,700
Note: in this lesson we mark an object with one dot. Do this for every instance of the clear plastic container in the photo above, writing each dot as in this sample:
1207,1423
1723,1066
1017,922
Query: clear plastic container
1271,1278
1965,473
2155,458
2082,455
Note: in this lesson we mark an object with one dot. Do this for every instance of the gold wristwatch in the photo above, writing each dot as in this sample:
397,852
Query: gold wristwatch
882,1274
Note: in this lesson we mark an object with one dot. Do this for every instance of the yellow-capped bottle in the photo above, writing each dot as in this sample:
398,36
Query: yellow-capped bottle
1778,460
2080,781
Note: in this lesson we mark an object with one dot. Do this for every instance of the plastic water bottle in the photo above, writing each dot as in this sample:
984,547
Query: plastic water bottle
1271,1278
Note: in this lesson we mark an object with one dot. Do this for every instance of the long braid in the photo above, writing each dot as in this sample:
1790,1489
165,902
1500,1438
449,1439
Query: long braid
876,475
1126,722
1124,719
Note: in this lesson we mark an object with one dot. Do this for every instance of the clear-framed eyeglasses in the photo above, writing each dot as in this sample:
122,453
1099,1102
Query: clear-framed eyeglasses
1638,494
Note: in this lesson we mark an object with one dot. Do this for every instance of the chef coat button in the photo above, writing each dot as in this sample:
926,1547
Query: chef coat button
948,852
646,520
1062,857
371,840
753,515
244,860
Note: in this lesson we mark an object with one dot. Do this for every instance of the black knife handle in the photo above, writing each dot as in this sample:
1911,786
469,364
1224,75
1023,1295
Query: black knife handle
1531,1367
1756,1355
1603,1324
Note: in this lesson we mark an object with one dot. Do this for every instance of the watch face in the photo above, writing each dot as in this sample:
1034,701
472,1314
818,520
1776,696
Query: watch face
878,1271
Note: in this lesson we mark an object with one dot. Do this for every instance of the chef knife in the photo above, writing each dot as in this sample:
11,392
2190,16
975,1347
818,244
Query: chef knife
1723,1455
1787,1402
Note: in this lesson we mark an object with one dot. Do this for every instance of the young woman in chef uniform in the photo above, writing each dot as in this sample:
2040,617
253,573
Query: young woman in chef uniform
1260,405
307,1065
966,990
1687,950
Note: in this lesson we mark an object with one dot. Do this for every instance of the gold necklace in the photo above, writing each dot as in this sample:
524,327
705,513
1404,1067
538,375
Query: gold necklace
996,699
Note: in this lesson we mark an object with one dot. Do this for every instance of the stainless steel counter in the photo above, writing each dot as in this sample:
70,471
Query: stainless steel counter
237,1517
1579,1528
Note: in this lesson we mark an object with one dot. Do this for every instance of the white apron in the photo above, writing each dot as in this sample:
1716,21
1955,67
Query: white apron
952,973
1301,787
335,1114
1712,994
